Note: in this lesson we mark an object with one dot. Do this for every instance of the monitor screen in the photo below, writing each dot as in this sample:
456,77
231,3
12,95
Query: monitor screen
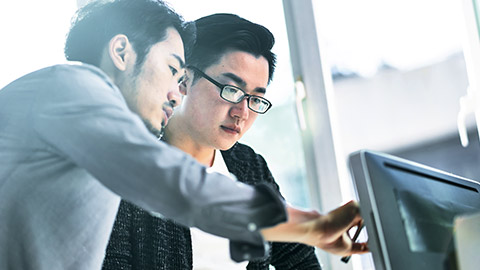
409,209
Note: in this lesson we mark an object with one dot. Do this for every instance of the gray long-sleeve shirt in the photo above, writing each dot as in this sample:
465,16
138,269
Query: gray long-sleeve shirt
70,148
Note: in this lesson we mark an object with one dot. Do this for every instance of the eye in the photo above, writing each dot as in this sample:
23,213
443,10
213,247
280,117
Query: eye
230,90
256,100
182,79
173,70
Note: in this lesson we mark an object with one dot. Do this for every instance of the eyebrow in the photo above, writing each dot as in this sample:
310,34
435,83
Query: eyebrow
179,59
242,83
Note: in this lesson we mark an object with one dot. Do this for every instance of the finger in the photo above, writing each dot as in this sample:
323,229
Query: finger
357,232
347,214
341,246
343,218
359,248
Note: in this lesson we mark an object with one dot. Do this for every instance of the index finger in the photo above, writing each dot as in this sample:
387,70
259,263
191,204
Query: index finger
343,218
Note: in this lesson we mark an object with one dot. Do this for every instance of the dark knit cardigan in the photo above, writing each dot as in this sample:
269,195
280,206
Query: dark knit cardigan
142,241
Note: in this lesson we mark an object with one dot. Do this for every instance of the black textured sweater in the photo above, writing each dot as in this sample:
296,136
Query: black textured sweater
142,241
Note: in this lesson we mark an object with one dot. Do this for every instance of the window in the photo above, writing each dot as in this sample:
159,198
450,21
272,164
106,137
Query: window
33,35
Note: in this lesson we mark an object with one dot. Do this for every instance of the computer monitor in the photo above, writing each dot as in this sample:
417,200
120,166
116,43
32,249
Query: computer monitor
409,209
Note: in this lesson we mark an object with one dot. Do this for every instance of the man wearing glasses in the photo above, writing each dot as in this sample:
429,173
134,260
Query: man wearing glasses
228,72
234,94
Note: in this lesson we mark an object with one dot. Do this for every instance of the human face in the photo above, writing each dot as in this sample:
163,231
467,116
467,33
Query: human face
154,84
210,120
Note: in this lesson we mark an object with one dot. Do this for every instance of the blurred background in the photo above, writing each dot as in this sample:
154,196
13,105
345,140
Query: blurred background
384,75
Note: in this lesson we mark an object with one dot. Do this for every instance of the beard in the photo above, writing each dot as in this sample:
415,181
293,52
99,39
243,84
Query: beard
158,133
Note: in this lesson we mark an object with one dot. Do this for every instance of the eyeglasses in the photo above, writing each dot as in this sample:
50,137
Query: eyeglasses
235,95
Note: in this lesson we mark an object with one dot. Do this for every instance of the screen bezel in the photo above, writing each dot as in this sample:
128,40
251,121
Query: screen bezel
376,176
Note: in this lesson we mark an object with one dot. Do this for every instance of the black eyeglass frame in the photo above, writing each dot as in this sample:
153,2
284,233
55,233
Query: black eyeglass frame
222,87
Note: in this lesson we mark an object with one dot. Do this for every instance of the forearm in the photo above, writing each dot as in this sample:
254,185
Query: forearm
296,229
328,232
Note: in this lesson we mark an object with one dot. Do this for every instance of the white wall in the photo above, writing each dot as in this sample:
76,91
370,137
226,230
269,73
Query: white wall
396,109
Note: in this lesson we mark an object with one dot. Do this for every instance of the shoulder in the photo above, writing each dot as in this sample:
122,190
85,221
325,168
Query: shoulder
81,69
75,83
243,157
80,74
248,166
243,154
61,77
70,70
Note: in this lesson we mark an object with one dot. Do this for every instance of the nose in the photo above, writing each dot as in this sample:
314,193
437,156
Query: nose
174,97
240,110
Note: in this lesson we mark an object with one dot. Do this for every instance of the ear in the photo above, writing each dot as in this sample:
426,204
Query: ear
120,51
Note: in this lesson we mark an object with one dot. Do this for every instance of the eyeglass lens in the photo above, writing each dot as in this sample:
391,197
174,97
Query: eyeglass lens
235,95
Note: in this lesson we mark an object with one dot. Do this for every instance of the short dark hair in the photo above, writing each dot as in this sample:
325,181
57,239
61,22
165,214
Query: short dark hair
220,33
144,22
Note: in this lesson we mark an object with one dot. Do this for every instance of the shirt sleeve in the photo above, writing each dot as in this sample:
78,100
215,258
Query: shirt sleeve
84,118
294,256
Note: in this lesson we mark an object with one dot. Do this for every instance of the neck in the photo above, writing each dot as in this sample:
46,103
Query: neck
176,135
